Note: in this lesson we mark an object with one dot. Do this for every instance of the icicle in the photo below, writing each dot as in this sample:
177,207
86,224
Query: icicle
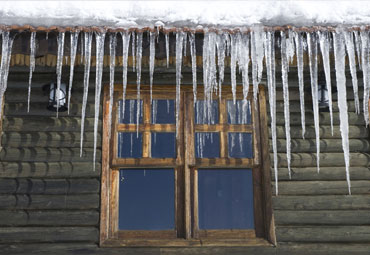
82,48
312,52
290,49
325,47
233,59
365,70
154,111
87,61
99,38
139,52
358,48
179,45
284,76
257,36
73,51
185,43
125,48
244,63
271,83
32,65
60,39
133,50
112,65
167,50
339,53
151,61
193,64
352,64
220,43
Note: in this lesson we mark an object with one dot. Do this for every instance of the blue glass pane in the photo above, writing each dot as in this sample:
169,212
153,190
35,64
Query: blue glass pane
163,145
129,116
206,113
130,145
225,199
240,145
163,112
239,113
146,199
207,145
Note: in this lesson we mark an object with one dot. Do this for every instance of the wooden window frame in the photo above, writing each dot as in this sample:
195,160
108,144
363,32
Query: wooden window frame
186,166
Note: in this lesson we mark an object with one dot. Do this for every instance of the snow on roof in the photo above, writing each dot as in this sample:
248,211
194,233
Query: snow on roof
230,14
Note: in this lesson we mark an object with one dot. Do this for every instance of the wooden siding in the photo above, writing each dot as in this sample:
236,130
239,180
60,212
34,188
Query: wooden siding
49,196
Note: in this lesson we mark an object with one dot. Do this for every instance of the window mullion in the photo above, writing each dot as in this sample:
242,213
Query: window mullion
146,134
223,133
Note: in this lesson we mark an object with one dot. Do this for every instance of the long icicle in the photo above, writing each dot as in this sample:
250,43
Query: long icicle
112,65
151,61
139,52
179,49
284,76
339,53
220,43
87,63
60,39
167,49
365,71
257,51
73,52
125,49
99,38
32,66
312,53
193,54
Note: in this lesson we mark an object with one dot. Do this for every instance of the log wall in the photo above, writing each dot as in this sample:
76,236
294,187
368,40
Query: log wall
49,195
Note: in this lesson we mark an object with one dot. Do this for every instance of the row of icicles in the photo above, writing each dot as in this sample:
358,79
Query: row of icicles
243,48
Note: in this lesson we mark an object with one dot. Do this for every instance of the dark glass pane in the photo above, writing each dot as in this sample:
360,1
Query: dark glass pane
163,145
206,112
129,116
239,113
130,145
207,145
146,199
240,145
163,112
225,199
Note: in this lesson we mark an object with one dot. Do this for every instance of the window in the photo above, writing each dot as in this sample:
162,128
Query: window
208,184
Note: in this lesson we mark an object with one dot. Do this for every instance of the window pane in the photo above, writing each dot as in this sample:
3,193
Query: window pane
225,199
163,112
239,113
146,199
206,112
129,116
130,145
163,145
207,145
240,145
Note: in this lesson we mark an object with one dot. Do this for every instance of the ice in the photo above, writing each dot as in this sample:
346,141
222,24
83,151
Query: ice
325,48
73,51
244,63
185,43
284,75
154,111
233,59
60,53
87,63
32,66
358,48
339,53
133,50
112,65
139,53
179,48
99,38
257,37
193,55
312,55
151,61
348,37
125,48
365,71
220,44
167,49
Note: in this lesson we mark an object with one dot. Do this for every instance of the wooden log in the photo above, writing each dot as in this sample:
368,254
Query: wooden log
266,250
49,169
49,186
87,201
48,139
322,249
324,234
49,218
326,159
328,217
326,145
326,173
48,234
40,123
294,93
47,154
323,187
294,106
328,202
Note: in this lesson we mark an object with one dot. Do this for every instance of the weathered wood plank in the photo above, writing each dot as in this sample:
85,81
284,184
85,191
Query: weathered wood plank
48,218
323,234
219,250
40,123
47,234
48,154
49,186
326,173
88,201
295,119
332,217
48,139
329,202
322,249
49,169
